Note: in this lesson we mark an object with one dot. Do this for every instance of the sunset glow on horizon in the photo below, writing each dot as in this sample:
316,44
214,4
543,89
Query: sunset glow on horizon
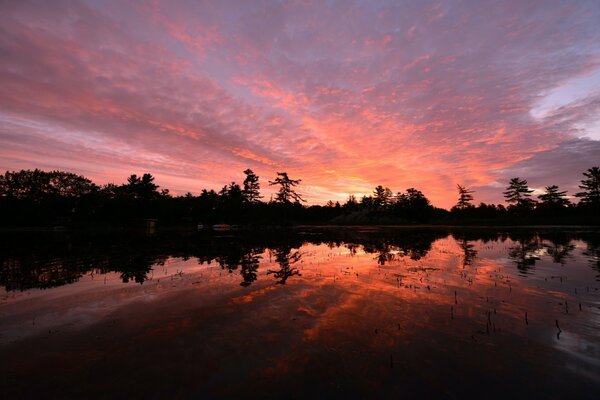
345,95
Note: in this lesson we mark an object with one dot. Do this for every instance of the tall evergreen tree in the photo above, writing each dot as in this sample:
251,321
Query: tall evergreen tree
591,187
464,197
140,188
286,192
553,197
382,196
518,193
233,193
351,203
367,201
251,189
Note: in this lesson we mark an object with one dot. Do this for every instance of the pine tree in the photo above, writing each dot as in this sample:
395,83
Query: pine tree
140,188
251,190
518,193
591,187
286,192
464,197
553,197
383,196
351,203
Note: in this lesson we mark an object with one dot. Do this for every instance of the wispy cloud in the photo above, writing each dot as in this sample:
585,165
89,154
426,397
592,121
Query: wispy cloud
343,95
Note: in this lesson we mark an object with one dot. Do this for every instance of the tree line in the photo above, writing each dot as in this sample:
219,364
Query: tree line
36,197
412,206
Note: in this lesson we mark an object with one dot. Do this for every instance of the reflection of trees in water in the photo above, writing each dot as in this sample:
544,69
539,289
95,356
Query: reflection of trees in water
238,255
334,244
352,248
285,258
36,272
415,247
49,260
557,244
137,267
560,246
249,263
465,242
524,252
469,252
231,260
385,255
382,252
46,261
44,273
560,252
592,250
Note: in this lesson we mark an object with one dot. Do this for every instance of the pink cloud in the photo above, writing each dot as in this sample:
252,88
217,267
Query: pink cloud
345,96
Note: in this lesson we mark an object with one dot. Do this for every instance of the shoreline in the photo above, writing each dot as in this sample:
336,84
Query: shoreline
245,228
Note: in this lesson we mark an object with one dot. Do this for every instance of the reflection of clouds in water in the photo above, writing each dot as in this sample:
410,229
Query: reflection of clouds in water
462,293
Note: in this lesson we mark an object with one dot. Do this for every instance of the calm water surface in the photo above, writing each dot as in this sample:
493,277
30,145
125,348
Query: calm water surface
307,313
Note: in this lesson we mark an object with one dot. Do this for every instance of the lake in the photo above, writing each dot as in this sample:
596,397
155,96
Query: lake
355,312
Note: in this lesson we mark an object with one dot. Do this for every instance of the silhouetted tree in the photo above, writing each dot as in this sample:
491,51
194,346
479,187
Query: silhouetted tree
286,192
209,199
591,187
35,197
382,196
552,197
414,198
351,203
251,189
413,205
37,185
232,194
518,193
230,203
141,188
464,197
367,201
110,191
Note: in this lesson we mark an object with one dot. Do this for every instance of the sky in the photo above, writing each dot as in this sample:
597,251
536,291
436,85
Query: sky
345,95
